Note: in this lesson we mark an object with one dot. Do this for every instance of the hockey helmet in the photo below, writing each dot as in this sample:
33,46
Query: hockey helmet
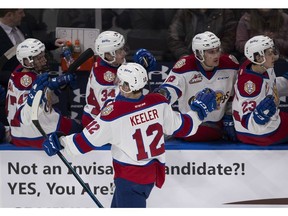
257,45
108,42
133,74
28,49
204,41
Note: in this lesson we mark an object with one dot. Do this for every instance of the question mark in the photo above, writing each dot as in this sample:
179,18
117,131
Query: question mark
237,167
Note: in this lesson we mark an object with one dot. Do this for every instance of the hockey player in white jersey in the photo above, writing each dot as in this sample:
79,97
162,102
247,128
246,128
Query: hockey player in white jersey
257,117
111,49
134,125
24,82
207,67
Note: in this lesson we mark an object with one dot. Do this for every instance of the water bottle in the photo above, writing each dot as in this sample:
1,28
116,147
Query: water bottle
67,54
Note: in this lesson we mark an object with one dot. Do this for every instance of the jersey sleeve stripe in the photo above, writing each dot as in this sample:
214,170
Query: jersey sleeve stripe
185,128
83,145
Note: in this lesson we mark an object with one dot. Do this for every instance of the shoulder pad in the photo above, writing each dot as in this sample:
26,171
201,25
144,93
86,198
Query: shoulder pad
186,63
249,85
228,61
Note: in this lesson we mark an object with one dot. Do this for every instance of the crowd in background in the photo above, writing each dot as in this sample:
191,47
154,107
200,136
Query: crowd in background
167,33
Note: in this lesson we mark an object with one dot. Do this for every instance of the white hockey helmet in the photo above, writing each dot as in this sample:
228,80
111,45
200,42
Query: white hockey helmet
257,45
204,41
28,49
134,75
108,42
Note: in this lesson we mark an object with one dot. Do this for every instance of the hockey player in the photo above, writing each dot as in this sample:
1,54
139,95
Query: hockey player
134,125
23,85
257,117
111,49
205,68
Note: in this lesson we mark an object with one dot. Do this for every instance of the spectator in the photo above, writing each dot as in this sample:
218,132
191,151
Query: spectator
84,18
134,125
205,68
23,85
270,22
147,28
111,49
80,18
189,22
257,90
12,32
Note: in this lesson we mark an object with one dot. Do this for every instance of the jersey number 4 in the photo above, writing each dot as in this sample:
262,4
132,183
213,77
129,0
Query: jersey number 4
153,146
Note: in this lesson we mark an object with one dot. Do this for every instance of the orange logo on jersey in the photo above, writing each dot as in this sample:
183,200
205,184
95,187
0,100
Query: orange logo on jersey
196,78
180,63
109,76
107,110
26,81
249,87
221,98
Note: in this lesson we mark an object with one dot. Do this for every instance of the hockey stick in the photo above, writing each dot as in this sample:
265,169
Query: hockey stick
88,53
10,53
35,121
35,105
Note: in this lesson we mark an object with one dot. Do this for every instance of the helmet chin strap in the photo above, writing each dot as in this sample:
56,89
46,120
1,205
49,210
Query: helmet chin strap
110,62
202,61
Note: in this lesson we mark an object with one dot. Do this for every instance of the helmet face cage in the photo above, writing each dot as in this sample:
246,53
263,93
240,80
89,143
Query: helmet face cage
257,46
204,41
28,49
132,74
109,42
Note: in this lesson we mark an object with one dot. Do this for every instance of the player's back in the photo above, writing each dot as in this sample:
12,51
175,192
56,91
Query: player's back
100,87
137,128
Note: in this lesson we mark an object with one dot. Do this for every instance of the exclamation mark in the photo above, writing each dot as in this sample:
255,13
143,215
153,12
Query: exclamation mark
112,188
243,168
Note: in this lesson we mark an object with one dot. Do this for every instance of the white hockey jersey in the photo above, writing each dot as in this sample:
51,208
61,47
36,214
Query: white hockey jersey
23,132
135,128
250,89
100,88
188,78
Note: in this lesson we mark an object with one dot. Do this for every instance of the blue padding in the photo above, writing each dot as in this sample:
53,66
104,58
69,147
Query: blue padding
175,144
183,145
8,146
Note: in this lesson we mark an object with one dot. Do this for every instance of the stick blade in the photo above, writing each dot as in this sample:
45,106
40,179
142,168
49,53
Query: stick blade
36,104
34,114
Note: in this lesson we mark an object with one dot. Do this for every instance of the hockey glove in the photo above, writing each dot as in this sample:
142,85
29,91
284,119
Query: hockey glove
204,103
2,93
146,59
63,80
264,110
40,83
52,144
164,92
228,127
